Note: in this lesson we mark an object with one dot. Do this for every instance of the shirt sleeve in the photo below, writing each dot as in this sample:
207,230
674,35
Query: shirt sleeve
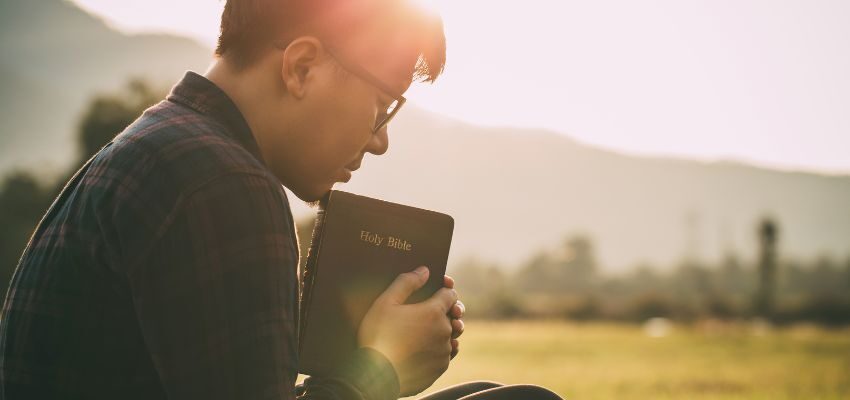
216,301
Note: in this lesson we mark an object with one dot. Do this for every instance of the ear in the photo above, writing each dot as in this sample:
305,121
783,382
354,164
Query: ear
300,58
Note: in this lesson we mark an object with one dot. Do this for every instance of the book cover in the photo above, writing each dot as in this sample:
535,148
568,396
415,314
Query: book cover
359,246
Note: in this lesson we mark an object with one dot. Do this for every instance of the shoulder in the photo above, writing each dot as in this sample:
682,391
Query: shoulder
171,137
165,156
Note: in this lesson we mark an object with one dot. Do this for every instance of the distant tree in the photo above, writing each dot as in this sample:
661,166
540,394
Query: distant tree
22,202
768,233
691,286
650,305
586,308
108,114
733,279
823,277
477,278
846,279
579,262
826,278
502,305
568,269
642,279
537,274
486,289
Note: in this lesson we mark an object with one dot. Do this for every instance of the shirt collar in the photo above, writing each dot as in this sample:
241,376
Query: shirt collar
203,96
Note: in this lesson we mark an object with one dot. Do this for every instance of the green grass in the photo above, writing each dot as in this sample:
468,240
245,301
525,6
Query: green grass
607,361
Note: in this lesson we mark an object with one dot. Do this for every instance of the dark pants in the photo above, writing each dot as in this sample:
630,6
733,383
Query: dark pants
483,390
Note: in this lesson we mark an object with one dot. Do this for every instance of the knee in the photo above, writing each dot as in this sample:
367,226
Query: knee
531,392
463,390
484,385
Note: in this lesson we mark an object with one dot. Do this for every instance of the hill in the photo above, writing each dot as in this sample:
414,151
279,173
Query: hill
55,57
513,191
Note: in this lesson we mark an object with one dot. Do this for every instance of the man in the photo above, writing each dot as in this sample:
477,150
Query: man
167,268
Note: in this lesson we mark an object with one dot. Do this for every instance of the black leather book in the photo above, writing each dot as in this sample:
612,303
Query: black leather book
359,246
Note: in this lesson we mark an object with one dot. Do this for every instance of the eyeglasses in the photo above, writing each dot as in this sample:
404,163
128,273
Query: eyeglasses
385,115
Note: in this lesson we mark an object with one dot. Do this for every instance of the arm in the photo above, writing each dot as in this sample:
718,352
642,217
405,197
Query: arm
216,300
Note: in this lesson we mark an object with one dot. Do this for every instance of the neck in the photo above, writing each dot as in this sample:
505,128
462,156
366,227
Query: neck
250,91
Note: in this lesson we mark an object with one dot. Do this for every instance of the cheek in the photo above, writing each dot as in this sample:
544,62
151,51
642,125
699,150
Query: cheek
336,129
330,144
347,131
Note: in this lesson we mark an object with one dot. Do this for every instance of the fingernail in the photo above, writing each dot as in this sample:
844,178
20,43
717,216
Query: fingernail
421,270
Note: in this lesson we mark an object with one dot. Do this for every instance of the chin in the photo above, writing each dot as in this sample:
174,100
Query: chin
312,195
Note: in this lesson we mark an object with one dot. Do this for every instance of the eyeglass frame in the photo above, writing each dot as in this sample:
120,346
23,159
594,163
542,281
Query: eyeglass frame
370,78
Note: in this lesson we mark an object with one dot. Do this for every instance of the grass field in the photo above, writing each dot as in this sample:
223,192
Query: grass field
708,361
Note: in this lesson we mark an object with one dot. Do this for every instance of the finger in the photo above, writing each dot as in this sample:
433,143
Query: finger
455,347
458,309
404,285
445,298
448,282
457,328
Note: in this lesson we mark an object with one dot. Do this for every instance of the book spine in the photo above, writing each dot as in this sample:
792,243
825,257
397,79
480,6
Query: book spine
308,279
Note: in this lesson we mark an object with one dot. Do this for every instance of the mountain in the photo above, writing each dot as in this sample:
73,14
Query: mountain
514,191
55,57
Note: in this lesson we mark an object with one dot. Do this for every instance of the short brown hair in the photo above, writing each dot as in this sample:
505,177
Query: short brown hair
249,27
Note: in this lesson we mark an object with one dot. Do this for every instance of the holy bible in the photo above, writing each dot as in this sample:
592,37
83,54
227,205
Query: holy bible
359,246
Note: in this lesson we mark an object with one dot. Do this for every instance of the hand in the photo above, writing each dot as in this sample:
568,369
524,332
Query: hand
415,338
456,313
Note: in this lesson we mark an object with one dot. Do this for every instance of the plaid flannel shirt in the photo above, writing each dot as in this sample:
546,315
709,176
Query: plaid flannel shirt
167,268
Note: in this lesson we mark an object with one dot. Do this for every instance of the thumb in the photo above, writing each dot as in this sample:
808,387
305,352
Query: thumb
404,285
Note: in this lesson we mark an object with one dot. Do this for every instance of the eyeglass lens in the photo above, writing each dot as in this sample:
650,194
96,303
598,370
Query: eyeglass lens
384,118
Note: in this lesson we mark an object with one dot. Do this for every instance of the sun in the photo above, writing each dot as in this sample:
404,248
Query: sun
431,6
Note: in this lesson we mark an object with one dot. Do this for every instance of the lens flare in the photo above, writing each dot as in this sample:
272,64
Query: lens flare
431,6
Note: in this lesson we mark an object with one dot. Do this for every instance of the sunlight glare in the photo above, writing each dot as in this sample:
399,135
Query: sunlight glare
624,75
430,6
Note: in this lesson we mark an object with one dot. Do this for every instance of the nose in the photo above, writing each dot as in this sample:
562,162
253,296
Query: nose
379,142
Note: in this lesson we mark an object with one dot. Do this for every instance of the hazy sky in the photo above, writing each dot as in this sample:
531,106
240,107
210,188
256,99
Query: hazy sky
766,81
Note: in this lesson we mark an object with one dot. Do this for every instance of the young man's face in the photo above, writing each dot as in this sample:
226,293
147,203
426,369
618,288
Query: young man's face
336,122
